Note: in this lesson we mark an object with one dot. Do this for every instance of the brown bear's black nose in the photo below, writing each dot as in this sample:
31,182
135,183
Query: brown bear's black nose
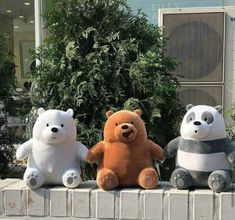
54,130
197,123
124,126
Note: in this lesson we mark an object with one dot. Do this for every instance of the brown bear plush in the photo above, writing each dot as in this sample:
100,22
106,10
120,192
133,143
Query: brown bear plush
125,156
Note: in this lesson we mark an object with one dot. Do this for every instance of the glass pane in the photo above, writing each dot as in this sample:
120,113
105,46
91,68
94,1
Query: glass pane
17,36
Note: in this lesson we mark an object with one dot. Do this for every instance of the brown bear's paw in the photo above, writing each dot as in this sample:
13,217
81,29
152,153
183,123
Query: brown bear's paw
148,178
107,179
90,157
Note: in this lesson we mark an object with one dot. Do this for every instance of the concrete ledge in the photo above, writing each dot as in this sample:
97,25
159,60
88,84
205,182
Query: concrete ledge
88,202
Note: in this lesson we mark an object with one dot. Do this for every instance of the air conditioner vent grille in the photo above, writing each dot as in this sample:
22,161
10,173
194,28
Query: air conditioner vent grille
201,95
196,39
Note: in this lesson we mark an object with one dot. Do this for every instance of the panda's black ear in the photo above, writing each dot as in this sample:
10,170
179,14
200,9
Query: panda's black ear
219,108
189,106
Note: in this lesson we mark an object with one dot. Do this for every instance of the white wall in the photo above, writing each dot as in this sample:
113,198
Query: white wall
229,57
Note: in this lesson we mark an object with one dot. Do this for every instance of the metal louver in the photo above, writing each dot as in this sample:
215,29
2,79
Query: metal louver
196,37
197,40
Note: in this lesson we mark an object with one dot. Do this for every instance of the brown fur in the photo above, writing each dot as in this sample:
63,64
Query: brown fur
125,154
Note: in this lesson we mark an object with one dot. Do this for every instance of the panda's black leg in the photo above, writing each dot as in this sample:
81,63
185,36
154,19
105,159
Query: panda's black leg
220,180
181,178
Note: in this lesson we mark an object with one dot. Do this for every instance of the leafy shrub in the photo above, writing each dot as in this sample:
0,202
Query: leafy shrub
7,86
13,103
99,55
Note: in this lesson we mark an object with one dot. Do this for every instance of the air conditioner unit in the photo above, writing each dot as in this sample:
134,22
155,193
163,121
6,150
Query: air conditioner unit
203,40
201,94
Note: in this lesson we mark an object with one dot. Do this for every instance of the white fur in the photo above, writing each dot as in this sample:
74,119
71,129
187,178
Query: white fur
53,157
213,131
208,162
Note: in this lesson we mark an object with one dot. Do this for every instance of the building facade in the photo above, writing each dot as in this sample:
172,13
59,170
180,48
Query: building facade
201,34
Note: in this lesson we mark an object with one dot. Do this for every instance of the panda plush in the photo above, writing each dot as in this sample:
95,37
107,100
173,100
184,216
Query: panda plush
204,153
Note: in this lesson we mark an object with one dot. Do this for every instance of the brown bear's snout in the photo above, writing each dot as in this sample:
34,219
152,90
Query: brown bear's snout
127,134
124,127
127,130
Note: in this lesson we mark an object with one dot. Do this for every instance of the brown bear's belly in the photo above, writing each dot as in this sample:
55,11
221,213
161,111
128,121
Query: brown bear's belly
126,162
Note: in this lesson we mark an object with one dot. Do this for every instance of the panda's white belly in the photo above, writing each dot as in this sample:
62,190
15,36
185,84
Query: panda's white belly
203,162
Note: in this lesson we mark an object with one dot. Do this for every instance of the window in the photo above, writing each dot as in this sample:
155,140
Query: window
17,21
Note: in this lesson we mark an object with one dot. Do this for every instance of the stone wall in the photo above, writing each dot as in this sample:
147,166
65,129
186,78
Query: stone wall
89,202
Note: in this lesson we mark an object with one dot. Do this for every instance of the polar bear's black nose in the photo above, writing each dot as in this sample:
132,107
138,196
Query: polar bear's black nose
197,123
54,130
124,126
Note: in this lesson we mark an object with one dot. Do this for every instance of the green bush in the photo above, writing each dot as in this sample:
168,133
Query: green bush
99,55
7,86
12,104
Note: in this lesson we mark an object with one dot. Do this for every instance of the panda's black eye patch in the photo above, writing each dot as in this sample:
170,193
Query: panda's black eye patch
47,125
191,117
207,117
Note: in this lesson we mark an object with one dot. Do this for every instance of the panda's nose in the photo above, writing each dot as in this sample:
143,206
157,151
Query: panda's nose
197,123
54,129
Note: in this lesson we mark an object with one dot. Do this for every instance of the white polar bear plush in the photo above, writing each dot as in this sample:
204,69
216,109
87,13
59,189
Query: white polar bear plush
53,153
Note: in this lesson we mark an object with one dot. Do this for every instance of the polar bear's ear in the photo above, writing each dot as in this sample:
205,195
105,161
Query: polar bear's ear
109,113
40,111
219,108
70,112
189,106
138,112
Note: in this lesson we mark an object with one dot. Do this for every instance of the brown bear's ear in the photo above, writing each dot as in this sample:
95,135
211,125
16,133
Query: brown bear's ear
109,113
138,112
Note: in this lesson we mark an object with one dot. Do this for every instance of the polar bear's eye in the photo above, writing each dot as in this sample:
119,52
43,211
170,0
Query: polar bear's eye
47,125
62,125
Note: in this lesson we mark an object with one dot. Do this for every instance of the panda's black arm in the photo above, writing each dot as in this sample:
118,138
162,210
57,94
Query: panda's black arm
230,150
171,148
229,146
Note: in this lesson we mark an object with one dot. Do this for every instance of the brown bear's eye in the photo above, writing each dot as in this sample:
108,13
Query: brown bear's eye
47,125
116,124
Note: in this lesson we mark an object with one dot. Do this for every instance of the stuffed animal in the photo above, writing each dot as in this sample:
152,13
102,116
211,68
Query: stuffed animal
53,151
125,155
204,154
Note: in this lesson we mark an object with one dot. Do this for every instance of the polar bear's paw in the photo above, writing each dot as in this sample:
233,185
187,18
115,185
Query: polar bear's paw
33,179
71,179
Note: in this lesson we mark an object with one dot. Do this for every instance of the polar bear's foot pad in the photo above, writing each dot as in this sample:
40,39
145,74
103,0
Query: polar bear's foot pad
33,182
217,182
181,179
71,179
33,179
